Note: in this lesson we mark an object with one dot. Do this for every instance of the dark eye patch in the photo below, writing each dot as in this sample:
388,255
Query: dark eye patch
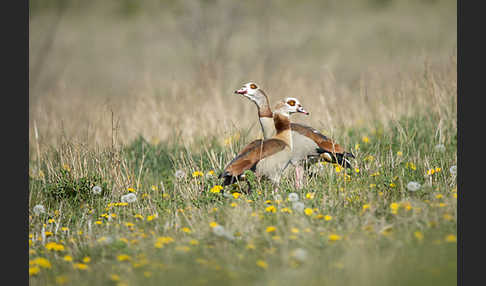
253,86
291,102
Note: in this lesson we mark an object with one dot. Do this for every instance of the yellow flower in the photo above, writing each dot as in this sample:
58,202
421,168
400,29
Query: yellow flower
448,217
310,196
294,230
338,168
372,185
68,258
40,261
139,216
250,246
233,205
411,165
114,277
365,139
98,222
196,174
262,264
430,172
356,170
124,257
399,153
154,188
216,189
163,240
210,173
186,230
375,174
34,270
193,242
308,211
454,195
327,217
236,195
418,235
450,238
286,210
439,196
86,259
356,146
131,190
183,248
271,229
213,224
54,246
392,185
80,266
334,237
366,207
270,209
394,208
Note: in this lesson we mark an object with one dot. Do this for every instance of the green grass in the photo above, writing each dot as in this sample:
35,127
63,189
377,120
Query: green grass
375,246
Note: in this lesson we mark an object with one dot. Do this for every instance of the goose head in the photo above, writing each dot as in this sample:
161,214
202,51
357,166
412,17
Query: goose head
251,91
288,106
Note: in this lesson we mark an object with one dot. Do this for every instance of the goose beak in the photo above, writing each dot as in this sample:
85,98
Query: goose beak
302,110
241,91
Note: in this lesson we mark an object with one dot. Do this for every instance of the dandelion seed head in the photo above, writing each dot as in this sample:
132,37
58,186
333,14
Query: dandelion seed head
413,186
298,206
38,209
129,198
180,174
453,170
293,197
219,230
439,148
300,254
96,190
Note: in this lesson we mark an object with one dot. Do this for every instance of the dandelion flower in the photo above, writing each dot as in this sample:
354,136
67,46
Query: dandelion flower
262,264
413,186
68,258
54,246
196,174
271,229
327,217
310,196
80,266
129,198
124,257
216,189
418,235
453,170
308,211
40,261
38,209
293,197
34,270
394,208
96,190
298,206
300,254
180,174
450,238
334,237
270,209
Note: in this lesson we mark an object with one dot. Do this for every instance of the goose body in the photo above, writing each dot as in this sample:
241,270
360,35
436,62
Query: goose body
267,157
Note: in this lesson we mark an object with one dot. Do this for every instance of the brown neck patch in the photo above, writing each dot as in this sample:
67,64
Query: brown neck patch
282,123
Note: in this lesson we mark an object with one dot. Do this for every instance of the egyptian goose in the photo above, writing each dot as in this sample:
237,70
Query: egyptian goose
309,143
269,157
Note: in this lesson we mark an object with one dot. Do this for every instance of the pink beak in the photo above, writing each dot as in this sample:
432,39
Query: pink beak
241,91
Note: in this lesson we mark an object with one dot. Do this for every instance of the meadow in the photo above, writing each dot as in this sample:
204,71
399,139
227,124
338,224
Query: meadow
132,117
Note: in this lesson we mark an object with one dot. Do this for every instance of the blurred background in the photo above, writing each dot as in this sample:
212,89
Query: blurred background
160,68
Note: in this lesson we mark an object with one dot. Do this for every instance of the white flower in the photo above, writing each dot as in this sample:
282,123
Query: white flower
129,198
439,147
293,197
300,254
38,209
180,174
96,190
453,170
413,186
220,231
298,206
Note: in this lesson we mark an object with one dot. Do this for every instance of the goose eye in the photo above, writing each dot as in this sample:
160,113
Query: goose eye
291,102
253,86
